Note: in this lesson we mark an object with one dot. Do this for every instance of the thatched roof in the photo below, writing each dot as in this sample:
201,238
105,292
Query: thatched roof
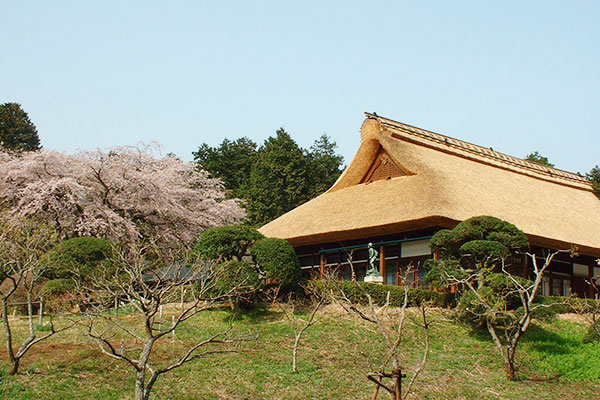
439,181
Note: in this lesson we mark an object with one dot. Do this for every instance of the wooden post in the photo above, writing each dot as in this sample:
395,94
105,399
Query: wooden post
160,309
182,296
116,306
322,266
173,326
41,311
382,263
591,278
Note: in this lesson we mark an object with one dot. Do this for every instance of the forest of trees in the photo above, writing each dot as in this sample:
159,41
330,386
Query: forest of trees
250,172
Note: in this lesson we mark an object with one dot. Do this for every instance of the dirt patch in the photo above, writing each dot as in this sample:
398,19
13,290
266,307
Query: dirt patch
571,317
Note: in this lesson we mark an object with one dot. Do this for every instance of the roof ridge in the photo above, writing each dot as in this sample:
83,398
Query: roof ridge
486,152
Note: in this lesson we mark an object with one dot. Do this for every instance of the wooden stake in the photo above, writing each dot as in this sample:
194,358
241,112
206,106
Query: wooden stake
41,311
173,325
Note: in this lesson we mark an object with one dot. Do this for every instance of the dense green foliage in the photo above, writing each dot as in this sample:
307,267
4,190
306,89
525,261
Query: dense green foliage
17,132
538,159
224,243
279,179
594,177
355,292
324,165
277,259
79,257
58,287
239,279
274,178
231,162
473,252
478,242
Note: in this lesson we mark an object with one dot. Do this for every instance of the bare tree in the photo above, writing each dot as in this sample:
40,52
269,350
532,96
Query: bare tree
299,325
147,282
590,309
22,246
507,326
392,332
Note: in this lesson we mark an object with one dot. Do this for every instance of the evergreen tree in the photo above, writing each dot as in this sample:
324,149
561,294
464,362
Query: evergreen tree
279,179
231,162
275,178
17,132
539,159
325,165
594,177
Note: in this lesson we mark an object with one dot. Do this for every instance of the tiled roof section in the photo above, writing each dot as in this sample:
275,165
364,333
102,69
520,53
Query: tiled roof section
446,143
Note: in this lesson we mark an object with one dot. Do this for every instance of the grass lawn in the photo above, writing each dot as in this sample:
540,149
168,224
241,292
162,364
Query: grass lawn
333,359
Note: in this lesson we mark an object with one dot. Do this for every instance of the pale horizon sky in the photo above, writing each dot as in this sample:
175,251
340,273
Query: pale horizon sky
517,76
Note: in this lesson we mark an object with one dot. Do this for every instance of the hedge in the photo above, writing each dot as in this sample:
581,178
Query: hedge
378,293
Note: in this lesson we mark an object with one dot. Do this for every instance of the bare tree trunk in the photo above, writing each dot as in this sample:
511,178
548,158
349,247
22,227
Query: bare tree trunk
142,391
9,339
14,369
295,353
41,311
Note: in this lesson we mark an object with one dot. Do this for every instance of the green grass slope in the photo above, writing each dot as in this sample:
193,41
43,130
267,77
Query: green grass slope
333,358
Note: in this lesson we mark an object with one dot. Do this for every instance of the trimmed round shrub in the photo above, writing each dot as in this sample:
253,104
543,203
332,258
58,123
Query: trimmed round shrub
471,310
224,243
58,287
277,259
239,275
238,279
82,255
504,286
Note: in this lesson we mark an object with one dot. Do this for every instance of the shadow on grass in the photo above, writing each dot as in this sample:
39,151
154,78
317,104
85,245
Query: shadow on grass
538,338
257,314
550,342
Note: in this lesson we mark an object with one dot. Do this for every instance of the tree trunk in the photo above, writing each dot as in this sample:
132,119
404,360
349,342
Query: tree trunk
11,355
295,353
142,391
14,369
510,371
510,364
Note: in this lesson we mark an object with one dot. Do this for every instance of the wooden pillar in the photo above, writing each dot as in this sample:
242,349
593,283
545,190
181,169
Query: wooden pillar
322,266
382,263
591,278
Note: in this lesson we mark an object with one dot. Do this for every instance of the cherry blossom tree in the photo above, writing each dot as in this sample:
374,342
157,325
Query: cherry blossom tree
122,194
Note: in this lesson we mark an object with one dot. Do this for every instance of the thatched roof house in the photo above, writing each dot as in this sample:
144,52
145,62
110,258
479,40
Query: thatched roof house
405,179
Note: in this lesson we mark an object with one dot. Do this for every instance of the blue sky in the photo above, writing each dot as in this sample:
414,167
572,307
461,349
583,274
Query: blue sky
517,76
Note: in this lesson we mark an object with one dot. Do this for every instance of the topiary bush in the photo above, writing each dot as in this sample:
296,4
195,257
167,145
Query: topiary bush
59,294
223,243
277,259
82,256
58,287
239,279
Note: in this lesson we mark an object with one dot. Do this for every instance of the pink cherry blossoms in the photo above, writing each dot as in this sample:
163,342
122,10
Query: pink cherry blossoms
123,194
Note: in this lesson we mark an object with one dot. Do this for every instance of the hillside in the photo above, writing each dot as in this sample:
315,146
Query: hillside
333,359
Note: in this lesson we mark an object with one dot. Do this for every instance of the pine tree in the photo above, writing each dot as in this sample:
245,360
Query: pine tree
17,132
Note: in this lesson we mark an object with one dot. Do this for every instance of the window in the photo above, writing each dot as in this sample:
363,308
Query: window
391,273
545,286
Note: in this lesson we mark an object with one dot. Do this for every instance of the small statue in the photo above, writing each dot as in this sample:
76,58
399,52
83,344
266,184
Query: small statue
373,269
